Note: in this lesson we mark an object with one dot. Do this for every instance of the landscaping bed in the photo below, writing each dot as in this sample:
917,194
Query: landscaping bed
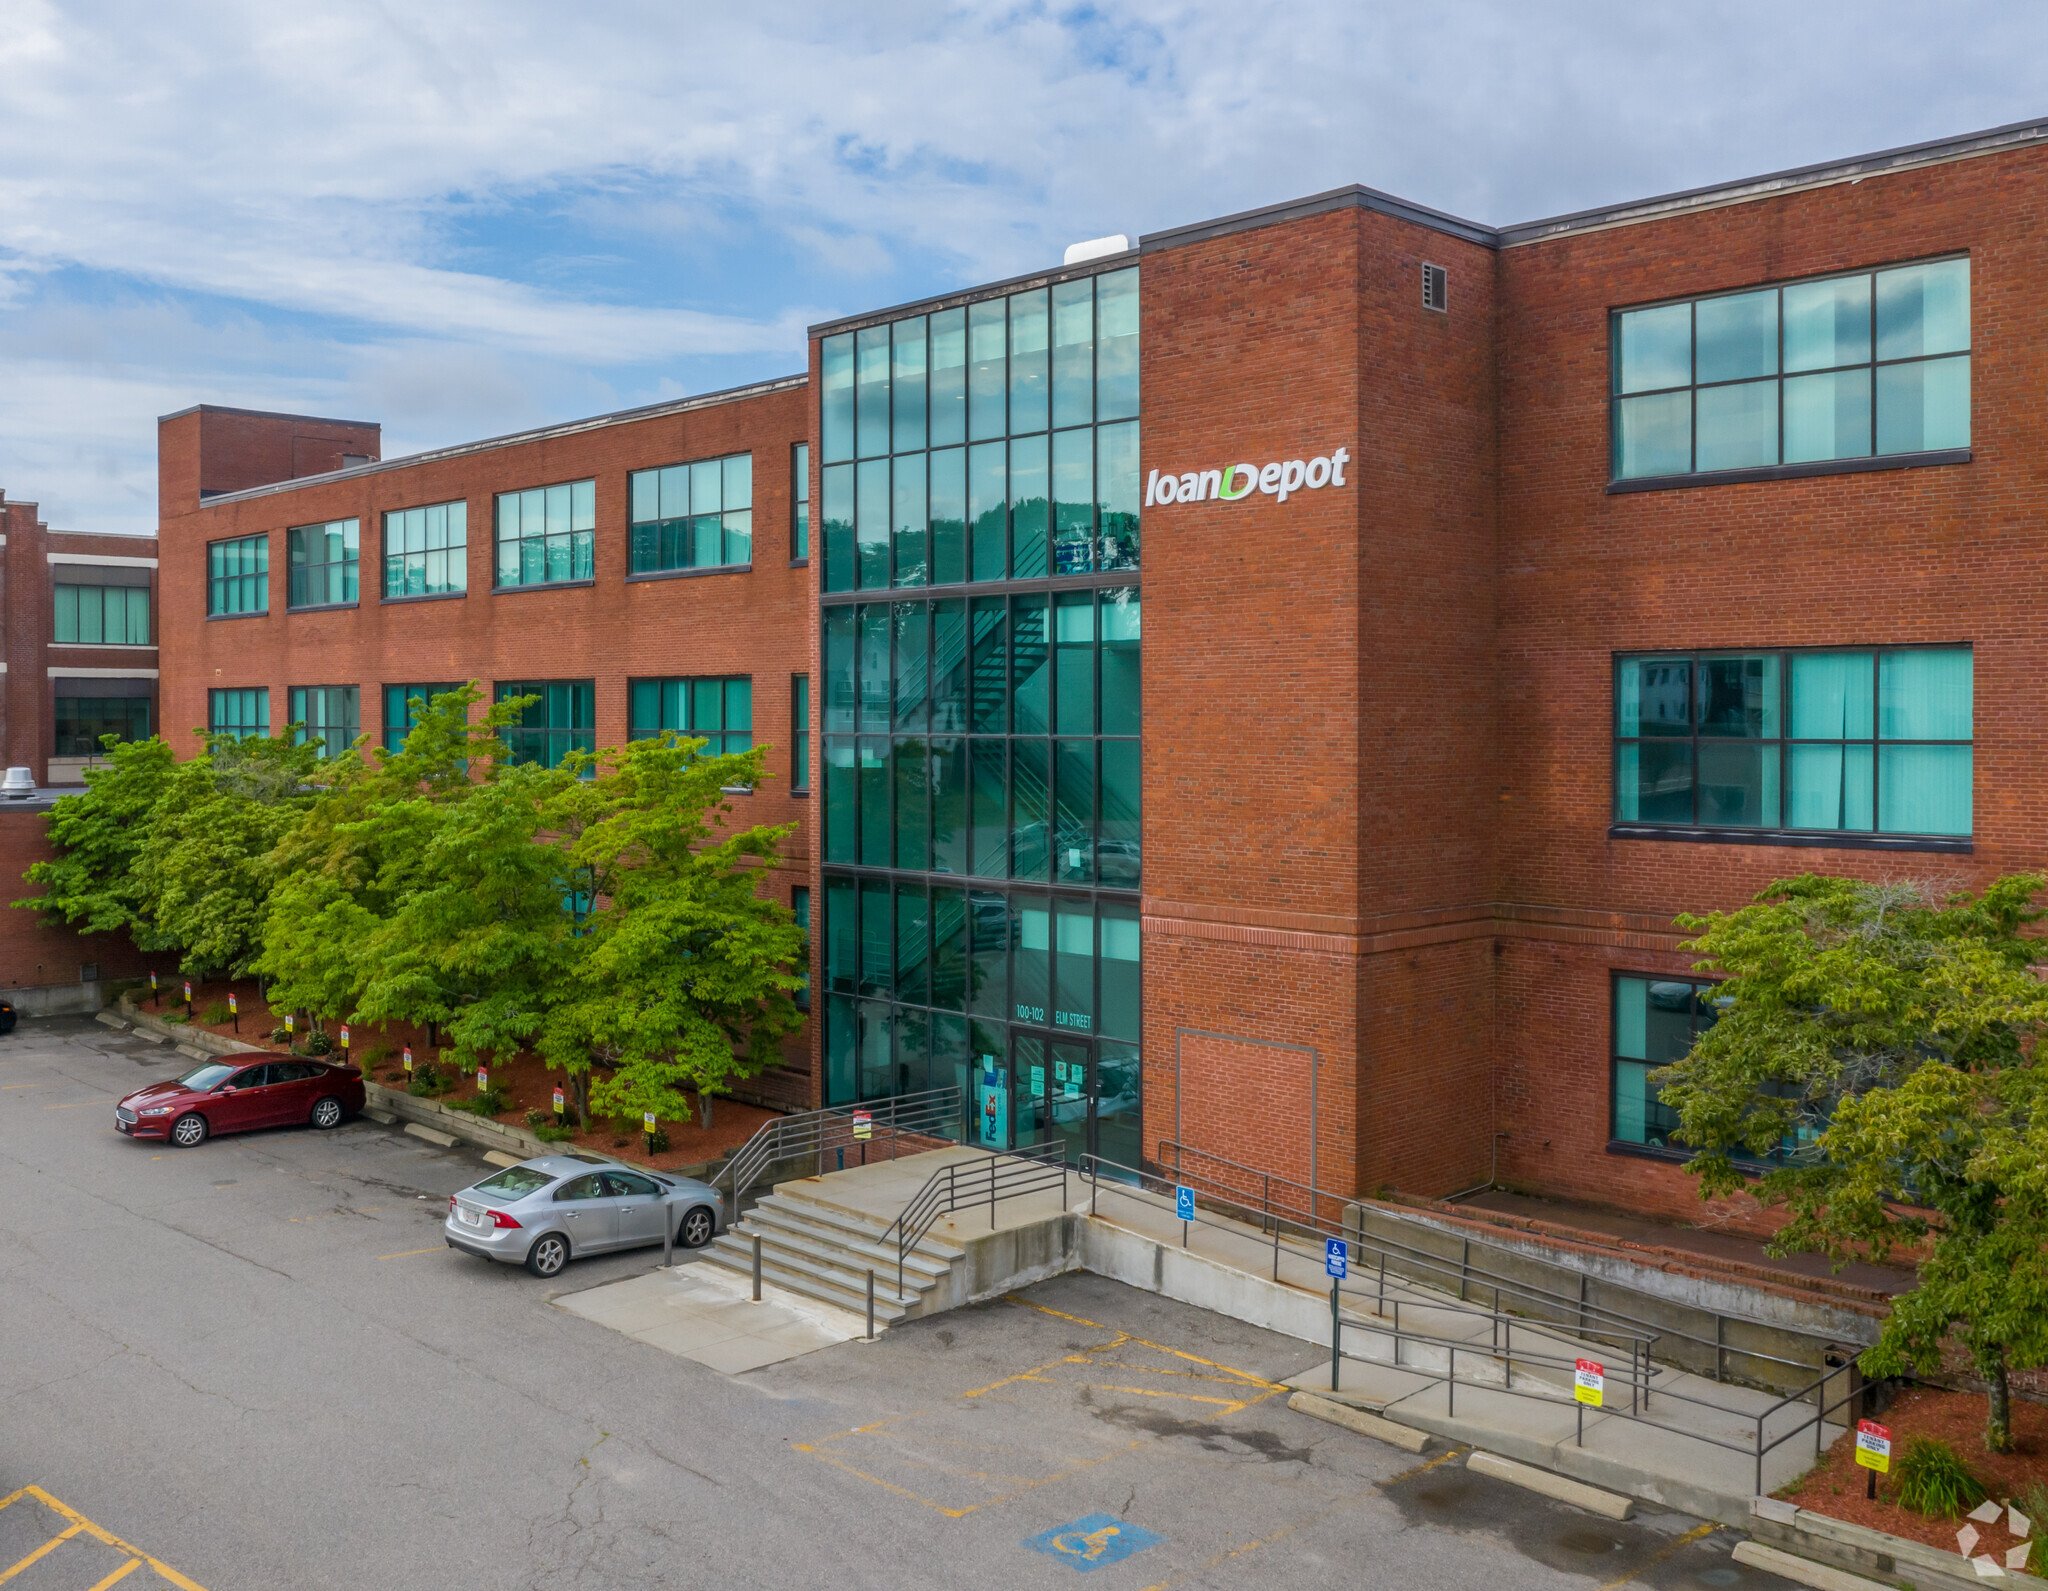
526,1082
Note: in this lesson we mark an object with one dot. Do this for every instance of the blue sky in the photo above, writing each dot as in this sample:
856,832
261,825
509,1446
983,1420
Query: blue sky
476,215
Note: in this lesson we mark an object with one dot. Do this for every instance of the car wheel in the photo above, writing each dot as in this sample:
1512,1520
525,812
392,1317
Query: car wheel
697,1229
548,1256
189,1131
327,1113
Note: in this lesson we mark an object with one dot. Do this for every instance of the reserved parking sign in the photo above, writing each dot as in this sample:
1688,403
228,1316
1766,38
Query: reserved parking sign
1589,1382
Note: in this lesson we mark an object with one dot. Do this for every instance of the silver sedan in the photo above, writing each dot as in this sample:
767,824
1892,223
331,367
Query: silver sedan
542,1213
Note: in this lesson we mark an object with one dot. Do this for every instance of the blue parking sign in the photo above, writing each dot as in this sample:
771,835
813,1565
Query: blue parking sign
1184,1203
1336,1259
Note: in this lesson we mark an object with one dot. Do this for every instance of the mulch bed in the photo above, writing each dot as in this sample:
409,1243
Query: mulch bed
1835,1486
526,1081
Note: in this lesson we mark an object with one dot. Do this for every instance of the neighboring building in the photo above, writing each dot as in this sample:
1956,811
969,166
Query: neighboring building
1275,685
78,657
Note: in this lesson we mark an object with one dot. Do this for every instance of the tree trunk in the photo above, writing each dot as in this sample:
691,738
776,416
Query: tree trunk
1998,1403
579,1096
704,1108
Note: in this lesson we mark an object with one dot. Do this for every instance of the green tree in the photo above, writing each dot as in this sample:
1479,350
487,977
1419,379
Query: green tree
679,974
1898,1026
90,884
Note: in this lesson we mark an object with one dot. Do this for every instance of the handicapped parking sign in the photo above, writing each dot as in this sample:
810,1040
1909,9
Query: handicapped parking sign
1336,1258
1094,1541
1183,1204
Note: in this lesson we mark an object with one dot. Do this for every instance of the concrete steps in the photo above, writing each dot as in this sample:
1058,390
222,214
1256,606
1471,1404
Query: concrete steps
824,1252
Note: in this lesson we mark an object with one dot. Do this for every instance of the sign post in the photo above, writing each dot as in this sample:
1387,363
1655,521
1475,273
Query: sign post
1336,1266
234,1011
188,994
290,1026
407,1055
1589,1389
863,1130
1873,1452
483,1079
561,1108
1184,1209
152,991
344,1043
647,1126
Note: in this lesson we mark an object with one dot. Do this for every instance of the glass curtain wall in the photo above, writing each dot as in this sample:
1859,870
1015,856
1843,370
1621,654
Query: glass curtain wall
979,712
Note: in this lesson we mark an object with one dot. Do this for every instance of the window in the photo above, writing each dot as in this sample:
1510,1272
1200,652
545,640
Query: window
800,909
80,721
102,615
1822,742
1871,365
323,564
238,576
800,497
241,714
562,720
547,535
799,731
400,715
721,711
426,551
692,516
1655,1022
330,714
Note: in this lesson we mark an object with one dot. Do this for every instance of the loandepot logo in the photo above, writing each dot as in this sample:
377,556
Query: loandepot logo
1279,480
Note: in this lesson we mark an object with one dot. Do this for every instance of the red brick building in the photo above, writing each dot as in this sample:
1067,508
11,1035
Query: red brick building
1275,684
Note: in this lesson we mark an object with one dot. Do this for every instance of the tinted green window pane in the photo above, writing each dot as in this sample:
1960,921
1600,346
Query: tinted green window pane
1653,696
912,626
1827,416
949,516
1923,406
1738,785
874,665
643,709
1073,353
1631,1099
877,939
1923,789
1831,696
1074,812
989,836
1117,855
1030,509
910,527
913,805
842,798
949,952
1924,694
988,975
913,944
1116,496
949,805
1827,323
989,670
737,480
67,613
836,489
1030,809
1656,348
1073,994
1653,781
1074,664
1737,336
988,509
1739,696
874,777
949,665
739,536
877,1058
840,694
1030,960
871,522
1073,508
1120,661
1116,345
644,490
1029,342
986,334
1738,425
800,732
948,377
1030,673
1122,990
707,706
1923,309
841,1064
871,390
800,494
1828,787
907,383
583,505
1653,436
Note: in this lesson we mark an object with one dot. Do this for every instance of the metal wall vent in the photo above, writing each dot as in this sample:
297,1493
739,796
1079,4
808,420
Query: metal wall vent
1435,288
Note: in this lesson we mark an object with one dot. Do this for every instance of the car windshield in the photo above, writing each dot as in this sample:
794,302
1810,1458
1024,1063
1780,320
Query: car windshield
209,1074
515,1182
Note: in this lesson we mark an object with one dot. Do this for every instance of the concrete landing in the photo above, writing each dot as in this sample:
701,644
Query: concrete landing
689,1311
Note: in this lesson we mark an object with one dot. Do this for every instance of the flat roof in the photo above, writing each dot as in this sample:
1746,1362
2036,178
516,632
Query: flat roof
596,422
267,414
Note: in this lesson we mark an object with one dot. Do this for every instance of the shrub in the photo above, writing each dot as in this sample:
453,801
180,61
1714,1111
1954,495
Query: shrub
548,1133
317,1043
657,1141
215,1013
173,1016
370,1056
427,1081
486,1102
1933,1479
279,1036
537,1118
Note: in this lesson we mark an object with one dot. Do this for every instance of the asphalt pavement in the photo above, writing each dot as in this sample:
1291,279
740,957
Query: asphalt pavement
255,1365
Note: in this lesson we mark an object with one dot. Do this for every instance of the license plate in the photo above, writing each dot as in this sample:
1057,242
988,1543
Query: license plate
125,1126
470,1217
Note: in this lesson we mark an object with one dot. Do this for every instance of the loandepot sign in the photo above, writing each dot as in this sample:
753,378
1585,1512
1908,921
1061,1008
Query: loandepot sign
1279,480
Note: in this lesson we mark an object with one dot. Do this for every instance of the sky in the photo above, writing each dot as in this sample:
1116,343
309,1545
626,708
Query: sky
466,217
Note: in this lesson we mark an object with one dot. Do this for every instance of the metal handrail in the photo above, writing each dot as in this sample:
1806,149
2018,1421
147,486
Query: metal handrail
1000,1175
926,1116
1422,1259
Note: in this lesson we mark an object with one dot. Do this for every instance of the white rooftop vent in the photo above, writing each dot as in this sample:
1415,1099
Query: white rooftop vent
17,785
1096,249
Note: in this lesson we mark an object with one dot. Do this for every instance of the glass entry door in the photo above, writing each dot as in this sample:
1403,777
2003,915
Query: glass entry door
1078,1092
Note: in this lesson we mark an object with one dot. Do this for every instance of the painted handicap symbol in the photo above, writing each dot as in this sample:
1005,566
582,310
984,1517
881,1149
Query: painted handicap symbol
1093,1541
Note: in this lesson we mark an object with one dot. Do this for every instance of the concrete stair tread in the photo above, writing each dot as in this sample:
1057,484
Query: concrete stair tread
782,1249
804,1209
797,1261
786,1228
812,1285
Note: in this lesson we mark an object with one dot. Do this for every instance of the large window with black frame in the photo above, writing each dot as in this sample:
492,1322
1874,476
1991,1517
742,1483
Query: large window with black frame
979,712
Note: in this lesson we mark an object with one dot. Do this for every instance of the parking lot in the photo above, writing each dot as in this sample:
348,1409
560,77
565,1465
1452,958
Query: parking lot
255,1364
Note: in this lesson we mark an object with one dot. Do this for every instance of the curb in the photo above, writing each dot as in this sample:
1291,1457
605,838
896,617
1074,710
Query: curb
1608,1505
1802,1571
1405,1437
445,1140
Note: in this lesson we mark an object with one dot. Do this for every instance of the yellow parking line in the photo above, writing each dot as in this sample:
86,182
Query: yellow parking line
75,1104
121,1573
408,1253
1423,1468
41,1552
6,1086
1674,1545
13,1497
80,1522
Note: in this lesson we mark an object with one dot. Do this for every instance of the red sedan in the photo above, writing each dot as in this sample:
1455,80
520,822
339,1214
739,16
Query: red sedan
236,1095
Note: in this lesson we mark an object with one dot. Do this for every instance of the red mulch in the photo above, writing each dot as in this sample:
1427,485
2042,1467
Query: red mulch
527,1082
1835,1486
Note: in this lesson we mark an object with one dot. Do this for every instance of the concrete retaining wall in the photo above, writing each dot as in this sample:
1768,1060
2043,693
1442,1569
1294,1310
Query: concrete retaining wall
1892,1559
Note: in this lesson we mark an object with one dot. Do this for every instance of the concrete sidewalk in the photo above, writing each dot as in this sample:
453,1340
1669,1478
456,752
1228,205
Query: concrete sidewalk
689,1311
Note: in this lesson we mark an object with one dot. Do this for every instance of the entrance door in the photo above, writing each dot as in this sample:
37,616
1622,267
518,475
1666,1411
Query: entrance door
1070,1085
